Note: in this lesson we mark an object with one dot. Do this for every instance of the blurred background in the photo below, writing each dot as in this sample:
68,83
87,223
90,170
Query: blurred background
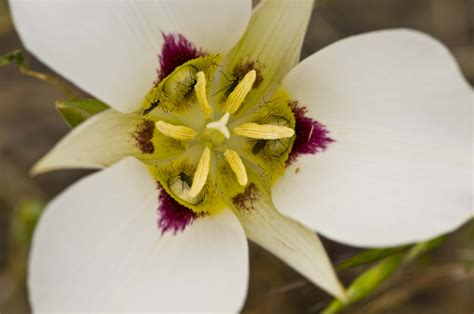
441,281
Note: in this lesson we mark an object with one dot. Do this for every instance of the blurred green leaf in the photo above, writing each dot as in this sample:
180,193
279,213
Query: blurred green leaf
26,216
468,260
369,256
76,111
18,57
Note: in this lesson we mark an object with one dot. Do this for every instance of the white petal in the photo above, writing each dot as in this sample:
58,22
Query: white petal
97,248
401,114
110,48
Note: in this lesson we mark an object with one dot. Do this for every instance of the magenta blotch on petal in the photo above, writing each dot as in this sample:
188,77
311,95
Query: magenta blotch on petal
311,136
176,51
173,216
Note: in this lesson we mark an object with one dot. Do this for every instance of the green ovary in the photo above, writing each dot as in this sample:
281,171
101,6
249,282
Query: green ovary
207,151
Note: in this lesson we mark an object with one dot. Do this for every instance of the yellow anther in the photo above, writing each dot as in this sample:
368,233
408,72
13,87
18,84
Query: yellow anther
264,131
201,94
237,166
238,95
178,132
202,171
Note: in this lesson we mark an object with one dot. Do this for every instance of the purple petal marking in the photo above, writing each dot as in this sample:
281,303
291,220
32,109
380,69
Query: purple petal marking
311,136
176,51
173,216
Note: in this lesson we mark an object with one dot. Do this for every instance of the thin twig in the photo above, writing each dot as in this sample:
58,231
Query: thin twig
18,57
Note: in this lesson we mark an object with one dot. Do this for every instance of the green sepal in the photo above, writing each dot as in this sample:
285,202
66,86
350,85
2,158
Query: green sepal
77,111
287,239
271,46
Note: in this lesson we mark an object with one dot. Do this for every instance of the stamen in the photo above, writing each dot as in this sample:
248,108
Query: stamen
177,132
238,95
201,94
264,131
202,171
237,166
221,125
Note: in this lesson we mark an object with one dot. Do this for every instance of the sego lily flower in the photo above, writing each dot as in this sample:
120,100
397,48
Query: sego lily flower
227,122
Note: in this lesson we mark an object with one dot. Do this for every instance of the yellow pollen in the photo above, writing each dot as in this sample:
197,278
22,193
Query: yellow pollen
238,95
177,132
237,166
201,94
264,131
201,174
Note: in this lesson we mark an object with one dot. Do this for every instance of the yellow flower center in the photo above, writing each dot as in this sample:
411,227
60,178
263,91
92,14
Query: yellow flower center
252,130
214,139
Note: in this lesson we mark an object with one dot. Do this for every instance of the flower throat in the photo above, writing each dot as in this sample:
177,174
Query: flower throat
215,142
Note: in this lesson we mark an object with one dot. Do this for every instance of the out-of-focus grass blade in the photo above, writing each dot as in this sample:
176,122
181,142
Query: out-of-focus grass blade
424,247
372,278
367,282
76,111
369,256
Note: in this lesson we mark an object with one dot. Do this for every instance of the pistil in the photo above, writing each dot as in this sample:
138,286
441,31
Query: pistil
221,125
